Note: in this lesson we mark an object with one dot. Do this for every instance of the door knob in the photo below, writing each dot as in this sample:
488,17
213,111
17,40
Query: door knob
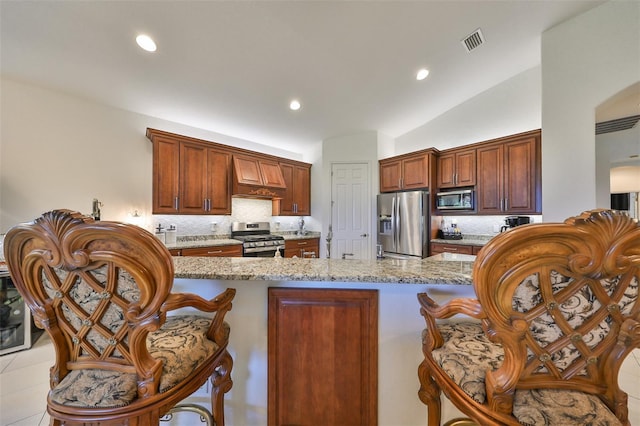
364,235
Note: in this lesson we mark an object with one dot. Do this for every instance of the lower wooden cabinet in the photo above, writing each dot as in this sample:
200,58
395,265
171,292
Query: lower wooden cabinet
437,248
322,357
234,250
308,247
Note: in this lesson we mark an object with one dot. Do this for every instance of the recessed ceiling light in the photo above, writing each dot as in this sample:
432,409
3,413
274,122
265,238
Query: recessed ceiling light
146,43
295,105
422,74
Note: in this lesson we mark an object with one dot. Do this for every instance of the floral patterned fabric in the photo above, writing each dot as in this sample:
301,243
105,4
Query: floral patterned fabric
467,354
181,344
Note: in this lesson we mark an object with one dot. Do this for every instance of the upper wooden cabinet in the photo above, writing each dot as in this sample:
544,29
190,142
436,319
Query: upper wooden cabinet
509,175
258,171
457,169
409,171
189,177
296,199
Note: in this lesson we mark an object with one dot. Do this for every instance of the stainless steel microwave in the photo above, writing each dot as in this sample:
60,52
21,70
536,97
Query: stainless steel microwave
455,200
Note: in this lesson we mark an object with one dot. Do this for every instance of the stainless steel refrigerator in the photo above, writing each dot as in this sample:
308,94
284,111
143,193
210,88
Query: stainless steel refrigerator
403,224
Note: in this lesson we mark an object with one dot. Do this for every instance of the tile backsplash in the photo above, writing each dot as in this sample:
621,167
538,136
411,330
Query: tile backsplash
479,225
243,210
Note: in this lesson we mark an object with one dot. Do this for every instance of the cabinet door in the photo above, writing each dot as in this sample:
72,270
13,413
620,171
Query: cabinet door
302,190
465,170
271,174
390,174
415,172
520,176
218,182
247,170
490,180
166,175
286,203
308,247
446,171
323,357
193,184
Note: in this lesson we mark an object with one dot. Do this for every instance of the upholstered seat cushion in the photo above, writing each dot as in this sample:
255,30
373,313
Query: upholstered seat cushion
181,343
467,354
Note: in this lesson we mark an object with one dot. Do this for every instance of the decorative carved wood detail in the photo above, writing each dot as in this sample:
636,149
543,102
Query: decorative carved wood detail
99,288
561,299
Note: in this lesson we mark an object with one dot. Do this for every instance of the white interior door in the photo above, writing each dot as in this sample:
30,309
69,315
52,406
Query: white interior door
351,211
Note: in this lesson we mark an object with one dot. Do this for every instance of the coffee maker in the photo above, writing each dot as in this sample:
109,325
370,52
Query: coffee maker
513,221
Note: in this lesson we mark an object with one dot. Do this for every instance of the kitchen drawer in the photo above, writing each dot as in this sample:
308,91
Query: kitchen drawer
175,252
307,247
437,248
234,250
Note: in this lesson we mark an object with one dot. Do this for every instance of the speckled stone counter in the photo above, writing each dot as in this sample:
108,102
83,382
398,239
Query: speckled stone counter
433,270
210,242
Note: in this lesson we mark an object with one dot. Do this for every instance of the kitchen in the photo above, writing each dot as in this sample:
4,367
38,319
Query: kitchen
75,150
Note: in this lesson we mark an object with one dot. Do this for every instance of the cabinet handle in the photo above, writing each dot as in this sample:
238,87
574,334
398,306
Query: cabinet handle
214,252
451,248
209,204
308,253
303,243
506,204
175,203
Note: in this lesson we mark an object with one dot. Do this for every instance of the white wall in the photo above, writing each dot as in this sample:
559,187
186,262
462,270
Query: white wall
585,61
511,107
61,151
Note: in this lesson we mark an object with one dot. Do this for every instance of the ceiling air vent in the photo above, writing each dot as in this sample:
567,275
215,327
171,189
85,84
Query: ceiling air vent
617,125
473,40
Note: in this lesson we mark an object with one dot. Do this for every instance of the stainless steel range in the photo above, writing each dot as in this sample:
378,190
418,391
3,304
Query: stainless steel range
257,239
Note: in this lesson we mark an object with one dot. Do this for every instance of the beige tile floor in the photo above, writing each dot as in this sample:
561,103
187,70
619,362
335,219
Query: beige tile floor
24,384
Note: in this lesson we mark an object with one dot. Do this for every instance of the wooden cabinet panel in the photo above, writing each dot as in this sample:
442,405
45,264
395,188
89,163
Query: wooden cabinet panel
258,172
490,179
390,176
308,247
411,171
193,182
437,248
219,182
166,157
175,252
457,169
296,199
509,175
322,357
233,250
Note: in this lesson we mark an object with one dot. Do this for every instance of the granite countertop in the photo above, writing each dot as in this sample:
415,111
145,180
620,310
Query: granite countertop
225,240
433,270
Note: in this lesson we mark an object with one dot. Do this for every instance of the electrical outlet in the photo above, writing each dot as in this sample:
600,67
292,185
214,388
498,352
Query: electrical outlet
214,226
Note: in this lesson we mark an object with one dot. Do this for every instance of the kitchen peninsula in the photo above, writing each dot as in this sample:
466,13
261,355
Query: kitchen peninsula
394,321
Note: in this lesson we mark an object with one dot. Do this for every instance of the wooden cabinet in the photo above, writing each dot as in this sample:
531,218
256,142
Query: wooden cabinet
409,171
437,248
509,175
322,357
258,172
308,247
457,169
296,199
232,250
189,177
175,252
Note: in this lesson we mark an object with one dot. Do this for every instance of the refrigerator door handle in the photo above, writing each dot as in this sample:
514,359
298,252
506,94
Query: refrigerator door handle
397,233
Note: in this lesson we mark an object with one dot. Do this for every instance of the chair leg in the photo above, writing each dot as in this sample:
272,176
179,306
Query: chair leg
222,383
429,394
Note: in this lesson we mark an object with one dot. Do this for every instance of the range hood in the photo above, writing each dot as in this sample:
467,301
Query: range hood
254,177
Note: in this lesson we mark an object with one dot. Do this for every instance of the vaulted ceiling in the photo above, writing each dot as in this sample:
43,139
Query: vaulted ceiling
233,66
